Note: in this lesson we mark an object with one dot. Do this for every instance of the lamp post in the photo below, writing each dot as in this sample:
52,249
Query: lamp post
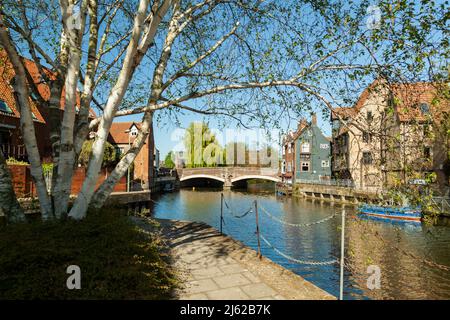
128,173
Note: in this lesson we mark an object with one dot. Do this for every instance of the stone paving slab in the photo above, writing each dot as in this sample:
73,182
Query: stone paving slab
217,267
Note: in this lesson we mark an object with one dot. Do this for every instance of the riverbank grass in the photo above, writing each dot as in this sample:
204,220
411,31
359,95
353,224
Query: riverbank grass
117,260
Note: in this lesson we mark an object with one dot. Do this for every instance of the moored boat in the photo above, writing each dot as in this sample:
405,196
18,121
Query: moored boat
386,212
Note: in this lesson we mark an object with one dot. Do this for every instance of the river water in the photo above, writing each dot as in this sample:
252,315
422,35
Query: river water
401,251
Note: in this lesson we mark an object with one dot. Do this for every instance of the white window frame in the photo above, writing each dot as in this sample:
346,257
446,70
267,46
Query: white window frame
308,164
325,163
306,146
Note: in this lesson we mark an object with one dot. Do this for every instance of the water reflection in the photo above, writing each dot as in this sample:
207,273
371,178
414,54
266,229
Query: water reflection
397,248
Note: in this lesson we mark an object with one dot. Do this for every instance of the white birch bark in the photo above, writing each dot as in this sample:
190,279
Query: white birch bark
67,152
26,121
80,206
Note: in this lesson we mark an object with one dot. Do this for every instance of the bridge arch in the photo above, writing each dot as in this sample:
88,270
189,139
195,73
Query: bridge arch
201,176
259,177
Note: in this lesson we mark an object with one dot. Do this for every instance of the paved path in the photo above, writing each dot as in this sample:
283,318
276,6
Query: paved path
214,266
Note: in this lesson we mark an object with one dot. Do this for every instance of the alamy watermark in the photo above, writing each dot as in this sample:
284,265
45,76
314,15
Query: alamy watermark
74,280
373,20
231,147
374,280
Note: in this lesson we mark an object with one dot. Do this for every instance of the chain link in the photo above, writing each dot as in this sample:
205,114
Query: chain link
298,225
309,262
231,212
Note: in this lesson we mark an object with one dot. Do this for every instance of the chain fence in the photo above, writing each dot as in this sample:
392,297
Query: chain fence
270,245
233,214
308,262
298,225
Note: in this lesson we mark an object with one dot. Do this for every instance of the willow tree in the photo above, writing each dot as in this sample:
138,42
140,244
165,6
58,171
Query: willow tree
201,146
251,60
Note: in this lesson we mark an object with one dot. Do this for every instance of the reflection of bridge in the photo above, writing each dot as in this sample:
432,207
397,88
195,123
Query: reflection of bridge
229,175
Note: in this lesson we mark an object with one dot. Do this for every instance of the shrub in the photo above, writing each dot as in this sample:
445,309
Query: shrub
109,155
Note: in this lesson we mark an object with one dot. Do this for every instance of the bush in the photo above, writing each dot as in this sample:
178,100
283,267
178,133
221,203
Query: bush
109,155
117,260
13,161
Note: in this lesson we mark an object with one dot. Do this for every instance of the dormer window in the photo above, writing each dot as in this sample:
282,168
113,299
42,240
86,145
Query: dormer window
5,108
133,131
425,108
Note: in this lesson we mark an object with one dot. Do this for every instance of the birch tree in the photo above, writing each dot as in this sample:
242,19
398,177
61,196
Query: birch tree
252,61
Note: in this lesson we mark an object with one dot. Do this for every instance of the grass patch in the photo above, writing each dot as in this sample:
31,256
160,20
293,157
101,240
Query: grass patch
117,260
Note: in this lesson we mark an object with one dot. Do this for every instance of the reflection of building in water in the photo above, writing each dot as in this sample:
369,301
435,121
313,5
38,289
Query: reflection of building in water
401,276
317,242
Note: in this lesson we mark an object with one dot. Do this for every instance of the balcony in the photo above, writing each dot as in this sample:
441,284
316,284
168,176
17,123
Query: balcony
17,152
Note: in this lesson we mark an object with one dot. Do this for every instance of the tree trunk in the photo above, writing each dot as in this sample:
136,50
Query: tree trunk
82,125
21,95
8,200
105,189
67,150
115,98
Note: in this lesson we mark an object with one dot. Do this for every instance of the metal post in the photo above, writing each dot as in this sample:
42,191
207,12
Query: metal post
221,212
341,284
257,229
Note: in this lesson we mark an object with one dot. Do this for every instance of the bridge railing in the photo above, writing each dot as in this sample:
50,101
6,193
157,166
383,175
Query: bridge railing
329,182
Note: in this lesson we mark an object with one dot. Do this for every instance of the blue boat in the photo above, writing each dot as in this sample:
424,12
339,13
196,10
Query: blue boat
386,212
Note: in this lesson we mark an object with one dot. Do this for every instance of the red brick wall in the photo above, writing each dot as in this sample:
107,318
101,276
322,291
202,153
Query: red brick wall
24,187
21,180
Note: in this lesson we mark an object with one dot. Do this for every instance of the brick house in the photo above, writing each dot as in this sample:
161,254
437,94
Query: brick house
122,135
391,135
312,153
11,143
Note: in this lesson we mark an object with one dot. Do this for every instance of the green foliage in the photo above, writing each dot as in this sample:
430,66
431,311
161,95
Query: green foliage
109,155
47,168
168,161
13,161
202,148
117,260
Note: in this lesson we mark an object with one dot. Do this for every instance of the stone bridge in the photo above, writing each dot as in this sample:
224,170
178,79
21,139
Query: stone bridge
229,175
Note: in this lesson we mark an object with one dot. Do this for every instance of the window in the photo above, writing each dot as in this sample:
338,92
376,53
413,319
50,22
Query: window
367,137
325,163
367,157
5,108
425,108
304,166
305,147
324,146
289,148
427,152
283,167
305,157
134,131
369,116
289,169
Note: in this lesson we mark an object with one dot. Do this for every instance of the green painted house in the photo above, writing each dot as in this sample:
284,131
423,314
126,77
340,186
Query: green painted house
312,154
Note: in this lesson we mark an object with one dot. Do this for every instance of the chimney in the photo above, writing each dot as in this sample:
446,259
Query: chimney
314,119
